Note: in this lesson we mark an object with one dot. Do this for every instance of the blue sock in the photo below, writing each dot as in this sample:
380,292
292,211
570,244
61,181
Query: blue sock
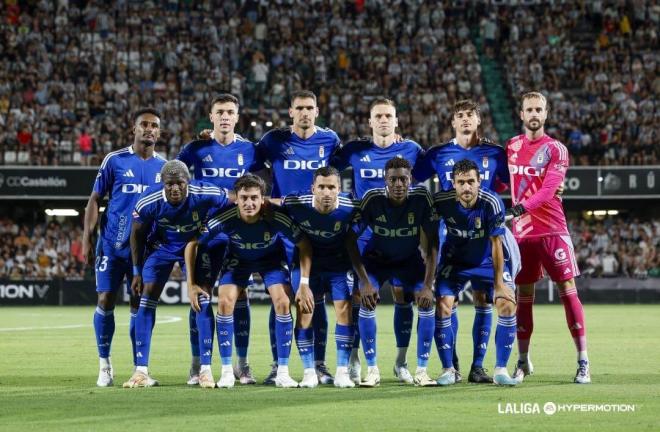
403,319
242,327
505,334
144,325
194,333
271,333
131,334
283,333
454,329
425,327
483,321
320,328
305,343
367,326
104,328
356,327
204,323
344,341
224,325
444,341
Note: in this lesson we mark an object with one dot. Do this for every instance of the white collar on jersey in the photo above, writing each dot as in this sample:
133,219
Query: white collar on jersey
333,209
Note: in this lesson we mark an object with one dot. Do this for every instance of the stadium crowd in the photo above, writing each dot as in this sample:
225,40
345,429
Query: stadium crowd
609,248
75,70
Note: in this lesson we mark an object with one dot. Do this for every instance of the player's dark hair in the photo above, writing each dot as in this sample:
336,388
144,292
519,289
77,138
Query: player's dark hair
325,171
464,166
249,181
302,94
224,98
175,168
381,100
466,105
397,162
146,110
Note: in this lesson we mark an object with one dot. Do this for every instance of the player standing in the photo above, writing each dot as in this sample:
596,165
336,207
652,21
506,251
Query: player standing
538,165
294,153
326,216
368,158
478,248
401,218
221,160
123,175
165,219
492,164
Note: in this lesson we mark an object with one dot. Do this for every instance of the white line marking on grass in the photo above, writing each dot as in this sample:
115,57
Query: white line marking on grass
166,320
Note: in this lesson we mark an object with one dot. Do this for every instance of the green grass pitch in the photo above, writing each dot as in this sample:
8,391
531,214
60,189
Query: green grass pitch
48,369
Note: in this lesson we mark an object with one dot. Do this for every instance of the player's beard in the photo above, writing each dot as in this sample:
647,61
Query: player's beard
537,124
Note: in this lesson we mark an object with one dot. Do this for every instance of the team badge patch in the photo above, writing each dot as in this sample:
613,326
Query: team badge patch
337,226
157,178
266,236
539,160
477,223
321,151
411,218
195,216
484,162
240,159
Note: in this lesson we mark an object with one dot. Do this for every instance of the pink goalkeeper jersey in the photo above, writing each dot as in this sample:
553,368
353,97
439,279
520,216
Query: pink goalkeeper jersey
537,168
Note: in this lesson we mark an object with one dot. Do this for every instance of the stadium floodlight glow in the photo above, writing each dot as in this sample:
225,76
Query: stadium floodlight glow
436,180
269,124
600,212
62,212
253,124
612,212
101,209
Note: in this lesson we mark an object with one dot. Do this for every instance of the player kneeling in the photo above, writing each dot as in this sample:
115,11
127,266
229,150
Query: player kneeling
479,249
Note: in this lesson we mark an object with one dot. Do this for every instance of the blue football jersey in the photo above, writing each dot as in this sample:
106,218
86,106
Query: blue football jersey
257,240
220,164
123,176
396,229
326,232
490,158
368,161
174,226
469,229
293,159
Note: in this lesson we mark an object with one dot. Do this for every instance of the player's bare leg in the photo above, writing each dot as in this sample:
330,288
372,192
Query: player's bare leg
576,325
525,322
403,323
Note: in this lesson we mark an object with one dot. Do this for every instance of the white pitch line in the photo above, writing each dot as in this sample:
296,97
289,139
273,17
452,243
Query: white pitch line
166,320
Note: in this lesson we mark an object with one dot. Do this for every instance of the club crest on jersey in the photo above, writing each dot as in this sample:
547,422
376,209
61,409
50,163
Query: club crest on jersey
266,236
477,223
195,216
321,151
411,218
484,162
240,158
337,226
539,160
157,178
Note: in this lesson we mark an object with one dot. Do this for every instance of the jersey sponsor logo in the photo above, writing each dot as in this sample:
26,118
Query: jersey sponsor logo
131,188
223,172
526,170
365,158
181,228
368,173
129,173
256,245
208,159
560,255
395,232
468,234
320,233
290,164
449,175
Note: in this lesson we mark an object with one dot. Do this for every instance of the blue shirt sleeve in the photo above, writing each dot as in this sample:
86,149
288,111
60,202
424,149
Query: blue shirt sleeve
105,178
503,168
286,226
495,225
340,157
423,168
185,155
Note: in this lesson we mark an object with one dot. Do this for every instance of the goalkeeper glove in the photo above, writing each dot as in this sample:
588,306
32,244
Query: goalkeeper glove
515,211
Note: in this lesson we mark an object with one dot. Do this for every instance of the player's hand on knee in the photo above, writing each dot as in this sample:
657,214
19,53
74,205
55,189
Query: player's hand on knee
369,296
505,293
194,291
305,299
137,286
424,298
